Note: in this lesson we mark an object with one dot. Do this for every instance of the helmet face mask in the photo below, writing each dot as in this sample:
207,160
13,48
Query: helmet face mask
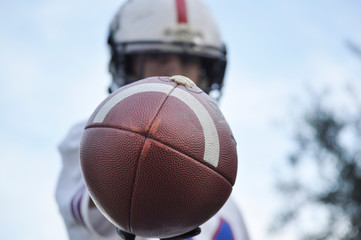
139,30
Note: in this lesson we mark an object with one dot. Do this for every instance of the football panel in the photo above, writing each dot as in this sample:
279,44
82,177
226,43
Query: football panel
135,113
108,160
132,110
192,123
94,118
174,191
177,125
228,145
227,164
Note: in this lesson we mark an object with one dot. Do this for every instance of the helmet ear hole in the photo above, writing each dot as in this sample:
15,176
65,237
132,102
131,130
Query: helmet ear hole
215,86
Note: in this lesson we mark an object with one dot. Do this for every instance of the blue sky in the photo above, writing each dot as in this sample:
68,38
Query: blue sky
54,73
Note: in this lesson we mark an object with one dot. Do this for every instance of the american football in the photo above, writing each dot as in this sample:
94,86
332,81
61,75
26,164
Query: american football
158,157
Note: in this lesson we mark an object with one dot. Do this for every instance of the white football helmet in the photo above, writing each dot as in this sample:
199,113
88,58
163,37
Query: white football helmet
184,27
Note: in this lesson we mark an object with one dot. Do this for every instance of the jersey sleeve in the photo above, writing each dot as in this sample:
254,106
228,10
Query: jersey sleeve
227,224
72,196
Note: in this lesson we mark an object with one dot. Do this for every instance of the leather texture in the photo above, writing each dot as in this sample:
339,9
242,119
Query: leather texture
144,163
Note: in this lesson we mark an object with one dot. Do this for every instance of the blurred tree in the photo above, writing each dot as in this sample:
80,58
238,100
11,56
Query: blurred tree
323,188
354,48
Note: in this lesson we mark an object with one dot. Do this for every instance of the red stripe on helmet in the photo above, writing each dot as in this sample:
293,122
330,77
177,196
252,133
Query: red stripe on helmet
182,11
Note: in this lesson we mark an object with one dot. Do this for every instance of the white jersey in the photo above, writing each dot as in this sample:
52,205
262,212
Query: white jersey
83,222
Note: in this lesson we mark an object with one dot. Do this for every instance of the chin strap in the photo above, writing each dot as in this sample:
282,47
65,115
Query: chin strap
130,236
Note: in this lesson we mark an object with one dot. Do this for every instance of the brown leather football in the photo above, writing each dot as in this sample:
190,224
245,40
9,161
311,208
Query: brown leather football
158,157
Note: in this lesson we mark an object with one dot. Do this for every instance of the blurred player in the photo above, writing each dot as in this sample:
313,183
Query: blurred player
150,38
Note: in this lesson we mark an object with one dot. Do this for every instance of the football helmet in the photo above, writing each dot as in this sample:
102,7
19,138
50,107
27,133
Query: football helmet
183,27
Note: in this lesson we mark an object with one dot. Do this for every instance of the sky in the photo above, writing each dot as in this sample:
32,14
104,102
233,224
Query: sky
53,73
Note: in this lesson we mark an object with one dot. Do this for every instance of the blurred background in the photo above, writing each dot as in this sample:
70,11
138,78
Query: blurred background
291,98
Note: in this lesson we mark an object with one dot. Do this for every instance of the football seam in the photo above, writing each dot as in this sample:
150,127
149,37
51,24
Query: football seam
165,144
140,154
132,191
